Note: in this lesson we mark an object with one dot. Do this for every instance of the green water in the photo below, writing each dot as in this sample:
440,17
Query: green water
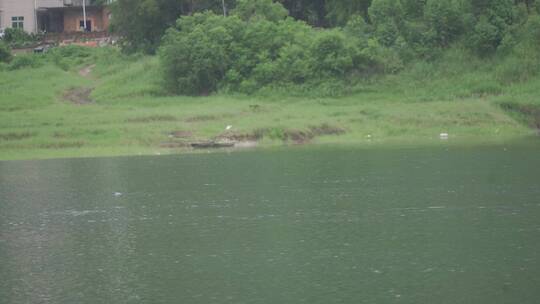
298,225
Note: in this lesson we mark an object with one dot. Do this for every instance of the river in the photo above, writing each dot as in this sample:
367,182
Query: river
442,224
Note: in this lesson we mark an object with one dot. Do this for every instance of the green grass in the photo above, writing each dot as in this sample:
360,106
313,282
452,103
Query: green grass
459,95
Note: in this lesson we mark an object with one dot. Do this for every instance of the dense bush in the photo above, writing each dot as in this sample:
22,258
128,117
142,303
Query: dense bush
493,19
25,61
5,52
260,9
18,38
521,53
257,47
444,20
248,51
196,57
387,19
331,54
485,37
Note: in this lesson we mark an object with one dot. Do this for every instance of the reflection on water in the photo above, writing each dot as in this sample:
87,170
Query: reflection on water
440,225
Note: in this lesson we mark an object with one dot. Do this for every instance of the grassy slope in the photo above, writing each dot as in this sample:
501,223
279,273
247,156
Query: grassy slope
459,95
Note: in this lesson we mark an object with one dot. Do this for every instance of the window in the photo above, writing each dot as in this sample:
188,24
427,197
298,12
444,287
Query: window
17,22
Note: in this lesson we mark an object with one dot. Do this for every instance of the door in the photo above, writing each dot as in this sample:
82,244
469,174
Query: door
88,27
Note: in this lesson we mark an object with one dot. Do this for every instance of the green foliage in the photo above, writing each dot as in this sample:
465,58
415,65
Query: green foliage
5,52
73,51
258,47
413,9
259,9
69,56
387,19
521,51
494,17
311,11
340,12
485,37
18,38
25,61
444,20
142,23
196,56
357,27
206,52
332,55
65,57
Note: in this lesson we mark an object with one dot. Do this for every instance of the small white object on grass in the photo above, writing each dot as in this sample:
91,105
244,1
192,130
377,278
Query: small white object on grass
443,135
228,127
117,194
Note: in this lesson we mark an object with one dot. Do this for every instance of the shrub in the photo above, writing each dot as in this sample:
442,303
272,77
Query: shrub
485,37
521,50
387,19
18,38
494,18
72,55
293,64
331,55
72,51
195,56
358,28
248,52
25,61
260,9
5,52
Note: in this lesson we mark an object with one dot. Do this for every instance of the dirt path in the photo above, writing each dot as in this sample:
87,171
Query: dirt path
81,95
85,72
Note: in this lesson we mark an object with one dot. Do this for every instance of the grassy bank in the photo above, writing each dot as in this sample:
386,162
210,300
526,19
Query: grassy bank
116,108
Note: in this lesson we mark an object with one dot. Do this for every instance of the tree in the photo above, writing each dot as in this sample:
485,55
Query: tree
444,19
260,9
142,23
340,11
387,18
494,17
311,11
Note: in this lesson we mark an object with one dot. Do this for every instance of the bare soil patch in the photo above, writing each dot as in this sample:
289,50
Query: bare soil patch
174,145
85,72
79,96
181,134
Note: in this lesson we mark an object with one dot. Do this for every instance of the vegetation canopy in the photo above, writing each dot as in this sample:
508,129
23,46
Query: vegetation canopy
259,47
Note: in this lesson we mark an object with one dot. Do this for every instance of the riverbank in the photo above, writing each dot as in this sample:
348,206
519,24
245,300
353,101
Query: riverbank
109,106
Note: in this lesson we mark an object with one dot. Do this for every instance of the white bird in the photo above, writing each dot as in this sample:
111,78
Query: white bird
117,194
228,127
443,135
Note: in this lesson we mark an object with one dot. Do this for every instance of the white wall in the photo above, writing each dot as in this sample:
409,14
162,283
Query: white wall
16,8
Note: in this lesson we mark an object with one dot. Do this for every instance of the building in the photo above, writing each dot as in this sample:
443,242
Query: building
18,14
55,16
